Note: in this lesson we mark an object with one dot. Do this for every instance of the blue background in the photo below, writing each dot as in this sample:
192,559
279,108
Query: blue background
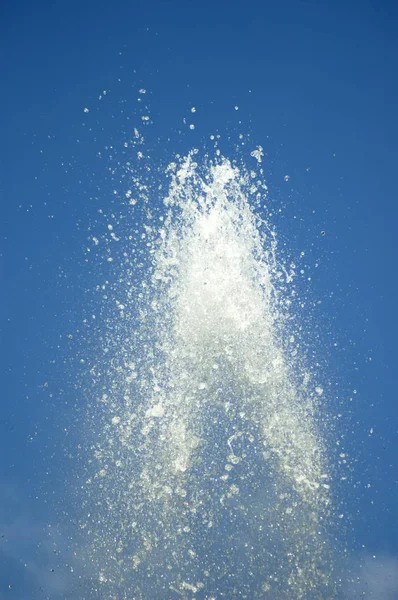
316,86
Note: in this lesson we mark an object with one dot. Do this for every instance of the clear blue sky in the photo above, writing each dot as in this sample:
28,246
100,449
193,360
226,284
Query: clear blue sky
316,86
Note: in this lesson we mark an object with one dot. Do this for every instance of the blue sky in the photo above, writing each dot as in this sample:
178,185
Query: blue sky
315,83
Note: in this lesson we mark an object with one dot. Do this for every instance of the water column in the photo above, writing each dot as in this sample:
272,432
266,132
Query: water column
222,486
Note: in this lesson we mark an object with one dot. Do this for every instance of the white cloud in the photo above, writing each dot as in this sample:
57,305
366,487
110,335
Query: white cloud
37,557
373,577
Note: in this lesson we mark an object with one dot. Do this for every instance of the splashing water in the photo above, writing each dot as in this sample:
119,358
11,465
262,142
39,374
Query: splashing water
211,477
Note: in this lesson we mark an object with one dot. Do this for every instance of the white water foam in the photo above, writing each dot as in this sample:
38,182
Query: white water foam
212,477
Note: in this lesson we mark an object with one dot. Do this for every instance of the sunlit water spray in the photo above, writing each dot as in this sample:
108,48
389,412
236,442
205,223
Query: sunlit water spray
211,476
